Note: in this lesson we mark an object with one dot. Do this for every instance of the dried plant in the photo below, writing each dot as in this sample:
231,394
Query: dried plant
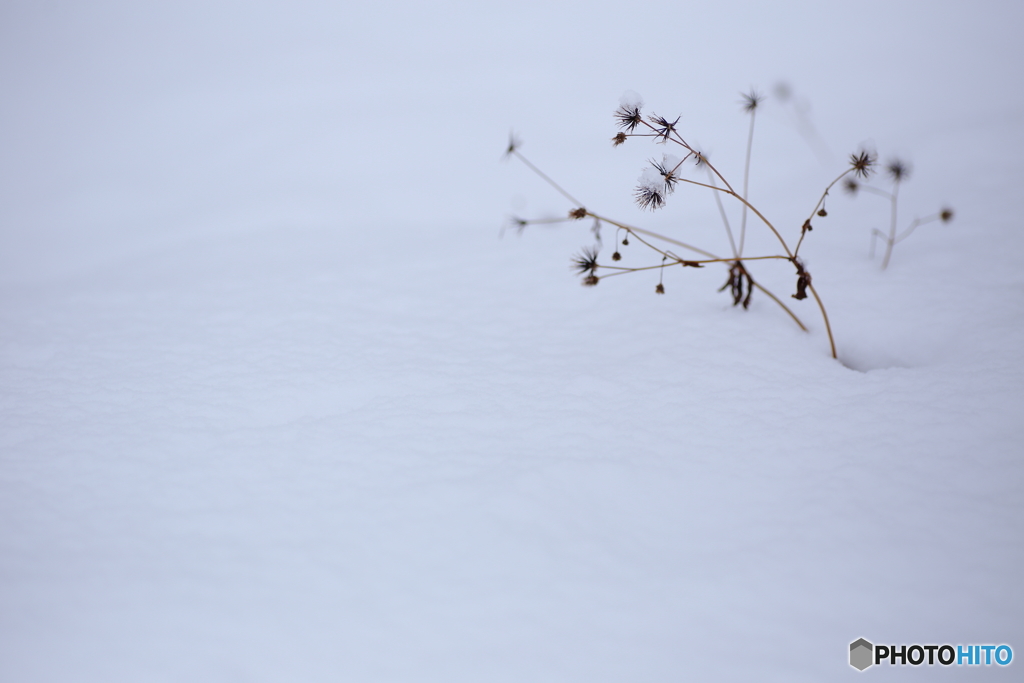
898,171
664,176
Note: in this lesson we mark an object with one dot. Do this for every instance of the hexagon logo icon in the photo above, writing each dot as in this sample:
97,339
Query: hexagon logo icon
861,652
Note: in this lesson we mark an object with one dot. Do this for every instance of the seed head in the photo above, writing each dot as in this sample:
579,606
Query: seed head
591,280
898,170
649,197
823,212
751,100
660,289
616,256
663,127
577,214
851,186
946,215
585,263
513,145
862,163
629,117
667,170
619,138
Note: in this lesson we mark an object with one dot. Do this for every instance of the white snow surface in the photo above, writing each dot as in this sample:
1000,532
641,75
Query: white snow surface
264,417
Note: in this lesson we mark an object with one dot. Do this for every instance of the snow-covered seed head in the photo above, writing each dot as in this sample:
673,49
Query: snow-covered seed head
628,113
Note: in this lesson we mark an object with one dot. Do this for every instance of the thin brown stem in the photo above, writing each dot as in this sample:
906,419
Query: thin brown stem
641,231
821,201
725,218
779,302
543,175
824,315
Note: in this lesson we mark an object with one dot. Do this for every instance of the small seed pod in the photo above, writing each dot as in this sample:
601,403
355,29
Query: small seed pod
616,256
660,289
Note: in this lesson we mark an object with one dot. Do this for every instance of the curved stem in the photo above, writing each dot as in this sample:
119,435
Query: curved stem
821,200
779,302
824,315
725,218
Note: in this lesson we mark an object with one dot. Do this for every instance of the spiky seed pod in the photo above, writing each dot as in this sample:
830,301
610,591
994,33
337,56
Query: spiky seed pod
663,128
898,170
585,263
862,163
649,197
751,100
629,117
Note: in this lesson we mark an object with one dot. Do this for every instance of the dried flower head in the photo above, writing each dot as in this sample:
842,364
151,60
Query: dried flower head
649,197
946,215
751,100
862,163
663,128
823,212
590,280
851,186
898,170
513,145
619,138
660,289
518,224
585,263
629,117
616,256
577,214
803,280
667,168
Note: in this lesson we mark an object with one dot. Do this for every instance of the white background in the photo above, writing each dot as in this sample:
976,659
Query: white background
277,403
